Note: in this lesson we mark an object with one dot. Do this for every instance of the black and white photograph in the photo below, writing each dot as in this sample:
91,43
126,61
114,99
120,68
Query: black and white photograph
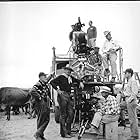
69,70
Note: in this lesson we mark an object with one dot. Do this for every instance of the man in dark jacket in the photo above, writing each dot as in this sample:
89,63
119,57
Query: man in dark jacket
95,59
91,35
62,84
41,96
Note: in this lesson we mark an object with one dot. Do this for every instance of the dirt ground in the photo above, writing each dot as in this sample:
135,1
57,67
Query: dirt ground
22,128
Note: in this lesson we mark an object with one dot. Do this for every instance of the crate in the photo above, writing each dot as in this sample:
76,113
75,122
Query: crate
111,131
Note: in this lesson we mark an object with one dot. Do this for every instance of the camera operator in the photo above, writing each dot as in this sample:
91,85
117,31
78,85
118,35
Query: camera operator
91,35
108,112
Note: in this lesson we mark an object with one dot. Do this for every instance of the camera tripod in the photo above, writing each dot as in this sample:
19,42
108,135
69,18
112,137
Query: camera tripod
83,113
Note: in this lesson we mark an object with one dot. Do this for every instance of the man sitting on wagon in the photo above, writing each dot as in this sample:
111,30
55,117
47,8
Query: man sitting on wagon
95,59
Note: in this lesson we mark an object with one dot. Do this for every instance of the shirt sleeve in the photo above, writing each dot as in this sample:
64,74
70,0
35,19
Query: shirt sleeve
115,45
55,82
34,93
104,49
134,88
37,87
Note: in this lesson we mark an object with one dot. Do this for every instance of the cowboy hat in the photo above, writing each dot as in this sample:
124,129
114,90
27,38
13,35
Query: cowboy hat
105,89
106,32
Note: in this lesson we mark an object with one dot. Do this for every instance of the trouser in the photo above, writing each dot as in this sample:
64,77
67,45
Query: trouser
92,42
131,107
112,57
66,113
43,117
122,111
99,118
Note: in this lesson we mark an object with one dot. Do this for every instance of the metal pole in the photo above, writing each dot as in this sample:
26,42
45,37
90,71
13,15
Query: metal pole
121,63
53,69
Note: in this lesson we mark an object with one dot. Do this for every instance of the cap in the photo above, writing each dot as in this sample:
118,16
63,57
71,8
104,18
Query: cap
42,74
106,32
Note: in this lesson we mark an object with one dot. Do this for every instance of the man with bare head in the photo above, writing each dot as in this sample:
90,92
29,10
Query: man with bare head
91,35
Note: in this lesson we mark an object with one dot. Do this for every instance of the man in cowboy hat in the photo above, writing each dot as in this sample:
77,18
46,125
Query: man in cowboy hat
109,54
62,84
108,112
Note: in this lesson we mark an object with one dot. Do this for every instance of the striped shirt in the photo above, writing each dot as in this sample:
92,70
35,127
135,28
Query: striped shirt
42,89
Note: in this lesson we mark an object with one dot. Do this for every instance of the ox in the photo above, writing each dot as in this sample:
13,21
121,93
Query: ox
13,96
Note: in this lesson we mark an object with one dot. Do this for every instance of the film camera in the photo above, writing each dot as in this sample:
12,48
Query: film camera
81,45
86,105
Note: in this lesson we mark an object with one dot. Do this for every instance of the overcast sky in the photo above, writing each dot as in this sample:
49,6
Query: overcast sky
29,30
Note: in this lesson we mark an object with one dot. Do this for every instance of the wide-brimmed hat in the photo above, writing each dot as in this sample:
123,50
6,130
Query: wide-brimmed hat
105,89
106,32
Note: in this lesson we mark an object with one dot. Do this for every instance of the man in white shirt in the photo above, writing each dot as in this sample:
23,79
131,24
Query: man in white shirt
109,50
130,92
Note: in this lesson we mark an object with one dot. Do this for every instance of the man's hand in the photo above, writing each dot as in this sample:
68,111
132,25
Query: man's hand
59,91
81,85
